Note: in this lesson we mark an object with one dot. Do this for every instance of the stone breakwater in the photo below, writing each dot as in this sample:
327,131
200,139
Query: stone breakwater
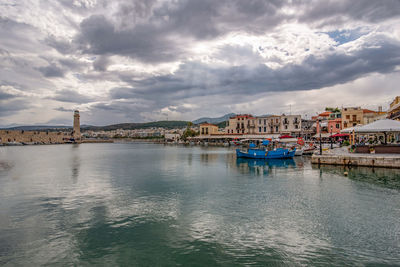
368,160
42,137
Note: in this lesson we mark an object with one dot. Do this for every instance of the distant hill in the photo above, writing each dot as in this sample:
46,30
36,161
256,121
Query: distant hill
133,126
38,128
222,124
214,120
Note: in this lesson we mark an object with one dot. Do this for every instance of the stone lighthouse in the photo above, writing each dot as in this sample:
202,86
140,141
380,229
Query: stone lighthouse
76,133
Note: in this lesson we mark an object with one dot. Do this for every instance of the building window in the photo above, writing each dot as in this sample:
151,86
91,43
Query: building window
337,125
296,126
354,117
265,129
285,127
347,117
202,130
276,129
345,125
259,121
259,129
206,130
265,122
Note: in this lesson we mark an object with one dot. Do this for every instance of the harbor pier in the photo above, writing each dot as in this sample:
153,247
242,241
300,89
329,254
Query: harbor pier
367,160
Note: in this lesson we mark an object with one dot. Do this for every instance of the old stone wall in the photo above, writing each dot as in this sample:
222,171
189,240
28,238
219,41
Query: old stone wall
388,161
7,136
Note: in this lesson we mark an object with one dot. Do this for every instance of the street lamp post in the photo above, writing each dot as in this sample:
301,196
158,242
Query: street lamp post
320,137
331,138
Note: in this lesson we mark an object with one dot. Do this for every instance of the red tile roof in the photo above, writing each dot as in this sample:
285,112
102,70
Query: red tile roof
325,114
208,124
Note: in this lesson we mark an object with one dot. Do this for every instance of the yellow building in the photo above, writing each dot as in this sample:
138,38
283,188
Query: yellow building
208,129
394,110
352,116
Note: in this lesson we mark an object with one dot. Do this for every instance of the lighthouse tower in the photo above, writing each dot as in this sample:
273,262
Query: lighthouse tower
76,133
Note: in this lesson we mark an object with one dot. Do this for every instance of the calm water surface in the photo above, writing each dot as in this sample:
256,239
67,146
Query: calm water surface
154,205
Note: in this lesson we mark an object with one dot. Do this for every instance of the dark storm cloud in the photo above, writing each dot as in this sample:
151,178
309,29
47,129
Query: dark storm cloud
51,70
72,65
145,42
198,79
161,33
9,108
164,36
62,46
337,12
4,95
101,63
62,109
71,96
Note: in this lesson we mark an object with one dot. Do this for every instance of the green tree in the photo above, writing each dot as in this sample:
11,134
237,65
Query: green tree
335,110
189,132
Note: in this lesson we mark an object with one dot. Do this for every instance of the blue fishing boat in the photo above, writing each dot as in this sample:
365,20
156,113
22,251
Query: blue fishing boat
254,152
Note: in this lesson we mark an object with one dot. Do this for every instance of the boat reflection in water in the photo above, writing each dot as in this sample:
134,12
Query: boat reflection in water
263,166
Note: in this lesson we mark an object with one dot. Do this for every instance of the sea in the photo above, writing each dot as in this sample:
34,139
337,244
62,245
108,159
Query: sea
143,204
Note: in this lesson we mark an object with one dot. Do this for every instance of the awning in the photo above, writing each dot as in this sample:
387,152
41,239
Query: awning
285,136
350,129
340,135
379,126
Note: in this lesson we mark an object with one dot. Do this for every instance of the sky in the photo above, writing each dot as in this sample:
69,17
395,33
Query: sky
136,61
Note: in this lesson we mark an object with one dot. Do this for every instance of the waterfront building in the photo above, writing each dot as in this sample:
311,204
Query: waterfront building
352,116
334,126
290,125
271,124
172,137
208,129
241,124
308,128
370,117
394,109
329,126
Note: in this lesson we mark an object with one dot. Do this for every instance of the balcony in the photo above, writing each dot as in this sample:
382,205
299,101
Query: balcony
395,115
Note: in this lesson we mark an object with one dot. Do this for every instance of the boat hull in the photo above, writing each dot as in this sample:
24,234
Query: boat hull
262,154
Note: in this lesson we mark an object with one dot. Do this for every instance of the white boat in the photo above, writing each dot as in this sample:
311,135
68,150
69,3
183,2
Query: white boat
299,152
13,143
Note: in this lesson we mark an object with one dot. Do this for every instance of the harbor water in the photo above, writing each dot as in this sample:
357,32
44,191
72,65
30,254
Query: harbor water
138,204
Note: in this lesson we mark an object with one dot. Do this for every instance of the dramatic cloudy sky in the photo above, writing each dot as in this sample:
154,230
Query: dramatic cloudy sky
126,60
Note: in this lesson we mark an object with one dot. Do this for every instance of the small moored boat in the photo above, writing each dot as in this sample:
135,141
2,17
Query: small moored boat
254,152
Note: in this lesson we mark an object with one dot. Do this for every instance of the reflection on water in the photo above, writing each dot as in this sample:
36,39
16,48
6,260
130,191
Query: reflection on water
259,166
145,204
75,162
385,177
